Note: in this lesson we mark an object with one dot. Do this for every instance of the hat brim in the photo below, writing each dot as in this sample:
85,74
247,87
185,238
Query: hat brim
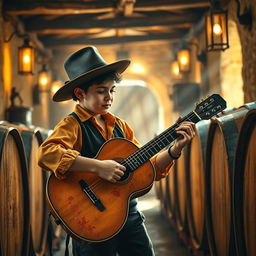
66,91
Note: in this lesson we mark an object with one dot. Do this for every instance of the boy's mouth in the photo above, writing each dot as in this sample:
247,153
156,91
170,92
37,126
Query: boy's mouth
106,105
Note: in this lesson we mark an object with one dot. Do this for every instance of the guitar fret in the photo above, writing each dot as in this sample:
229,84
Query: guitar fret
158,143
166,141
131,165
150,151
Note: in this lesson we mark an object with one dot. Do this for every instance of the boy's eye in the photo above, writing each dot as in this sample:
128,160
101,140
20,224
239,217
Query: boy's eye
101,92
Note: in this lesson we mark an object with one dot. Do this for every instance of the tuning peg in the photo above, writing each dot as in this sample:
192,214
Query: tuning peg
196,103
202,99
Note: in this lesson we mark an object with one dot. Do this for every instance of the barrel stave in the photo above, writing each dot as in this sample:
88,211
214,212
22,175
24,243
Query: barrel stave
244,188
14,213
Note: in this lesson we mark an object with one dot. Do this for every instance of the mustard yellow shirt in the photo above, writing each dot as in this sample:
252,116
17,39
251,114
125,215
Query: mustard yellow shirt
61,148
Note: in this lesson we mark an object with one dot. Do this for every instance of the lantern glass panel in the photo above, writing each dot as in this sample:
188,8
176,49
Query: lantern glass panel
43,79
183,58
26,60
175,70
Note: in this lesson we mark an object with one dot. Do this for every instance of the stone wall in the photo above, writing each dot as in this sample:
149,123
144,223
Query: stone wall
248,43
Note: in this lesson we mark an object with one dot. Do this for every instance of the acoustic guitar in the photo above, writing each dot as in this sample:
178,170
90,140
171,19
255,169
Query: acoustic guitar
94,210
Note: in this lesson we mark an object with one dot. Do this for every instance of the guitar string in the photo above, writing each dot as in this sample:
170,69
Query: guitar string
146,147
130,159
160,139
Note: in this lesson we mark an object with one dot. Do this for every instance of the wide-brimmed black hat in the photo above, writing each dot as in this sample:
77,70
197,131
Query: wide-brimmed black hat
84,65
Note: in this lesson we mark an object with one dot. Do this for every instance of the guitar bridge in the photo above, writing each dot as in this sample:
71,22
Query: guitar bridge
92,196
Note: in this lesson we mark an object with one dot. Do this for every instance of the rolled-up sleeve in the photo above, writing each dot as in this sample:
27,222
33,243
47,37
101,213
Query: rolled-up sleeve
161,173
58,152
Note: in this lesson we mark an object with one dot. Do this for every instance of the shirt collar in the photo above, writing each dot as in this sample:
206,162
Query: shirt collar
84,115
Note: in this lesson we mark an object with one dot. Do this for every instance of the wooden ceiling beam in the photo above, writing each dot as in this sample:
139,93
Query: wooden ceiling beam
56,8
167,5
83,22
80,7
52,42
90,31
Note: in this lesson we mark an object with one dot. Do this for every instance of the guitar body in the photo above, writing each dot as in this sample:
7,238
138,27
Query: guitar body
92,209
79,216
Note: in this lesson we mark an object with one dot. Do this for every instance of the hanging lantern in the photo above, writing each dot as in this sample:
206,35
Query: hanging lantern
26,58
43,77
183,58
216,30
175,70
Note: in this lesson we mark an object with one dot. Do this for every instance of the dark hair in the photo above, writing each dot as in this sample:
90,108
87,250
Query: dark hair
111,76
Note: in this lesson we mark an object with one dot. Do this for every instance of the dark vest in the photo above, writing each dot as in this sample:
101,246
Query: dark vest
92,140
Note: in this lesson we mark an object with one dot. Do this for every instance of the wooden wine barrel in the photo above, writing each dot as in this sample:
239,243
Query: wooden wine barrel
14,211
220,156
181,191
196,205
171,195
37,182
163,192
157,189
244,195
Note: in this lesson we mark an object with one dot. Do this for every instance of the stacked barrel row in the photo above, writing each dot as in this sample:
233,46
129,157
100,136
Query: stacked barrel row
23,213
210,194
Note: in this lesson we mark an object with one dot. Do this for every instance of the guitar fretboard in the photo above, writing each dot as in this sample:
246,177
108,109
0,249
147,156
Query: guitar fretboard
143,154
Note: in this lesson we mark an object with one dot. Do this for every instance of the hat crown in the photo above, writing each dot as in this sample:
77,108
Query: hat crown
83,61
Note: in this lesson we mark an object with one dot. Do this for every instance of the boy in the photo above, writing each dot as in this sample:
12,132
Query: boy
77,139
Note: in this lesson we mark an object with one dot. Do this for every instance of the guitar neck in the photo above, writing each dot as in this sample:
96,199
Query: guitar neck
143,154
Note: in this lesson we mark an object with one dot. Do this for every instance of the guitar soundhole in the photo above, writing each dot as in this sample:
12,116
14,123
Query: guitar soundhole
125,176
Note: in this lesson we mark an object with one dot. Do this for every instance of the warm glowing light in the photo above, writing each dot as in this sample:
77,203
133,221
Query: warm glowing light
7,71
26,58
43,77
43,81
183,58
175,70
55,87
138,68
217,30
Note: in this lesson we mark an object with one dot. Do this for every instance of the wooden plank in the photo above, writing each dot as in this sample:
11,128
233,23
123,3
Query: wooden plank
82,21
167,5
51,41
63,7
93,31
78,7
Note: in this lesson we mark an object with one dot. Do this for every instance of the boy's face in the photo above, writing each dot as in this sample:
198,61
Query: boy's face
99,97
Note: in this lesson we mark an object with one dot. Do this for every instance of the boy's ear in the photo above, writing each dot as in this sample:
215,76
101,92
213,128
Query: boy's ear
79,93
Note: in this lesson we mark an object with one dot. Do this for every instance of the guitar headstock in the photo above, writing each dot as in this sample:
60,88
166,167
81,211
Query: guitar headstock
210,106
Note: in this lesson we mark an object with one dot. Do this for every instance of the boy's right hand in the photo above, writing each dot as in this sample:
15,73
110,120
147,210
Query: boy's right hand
110,170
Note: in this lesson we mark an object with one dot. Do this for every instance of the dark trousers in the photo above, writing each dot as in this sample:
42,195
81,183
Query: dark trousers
131,240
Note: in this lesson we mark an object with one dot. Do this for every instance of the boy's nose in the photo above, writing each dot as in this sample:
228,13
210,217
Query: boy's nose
108,95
